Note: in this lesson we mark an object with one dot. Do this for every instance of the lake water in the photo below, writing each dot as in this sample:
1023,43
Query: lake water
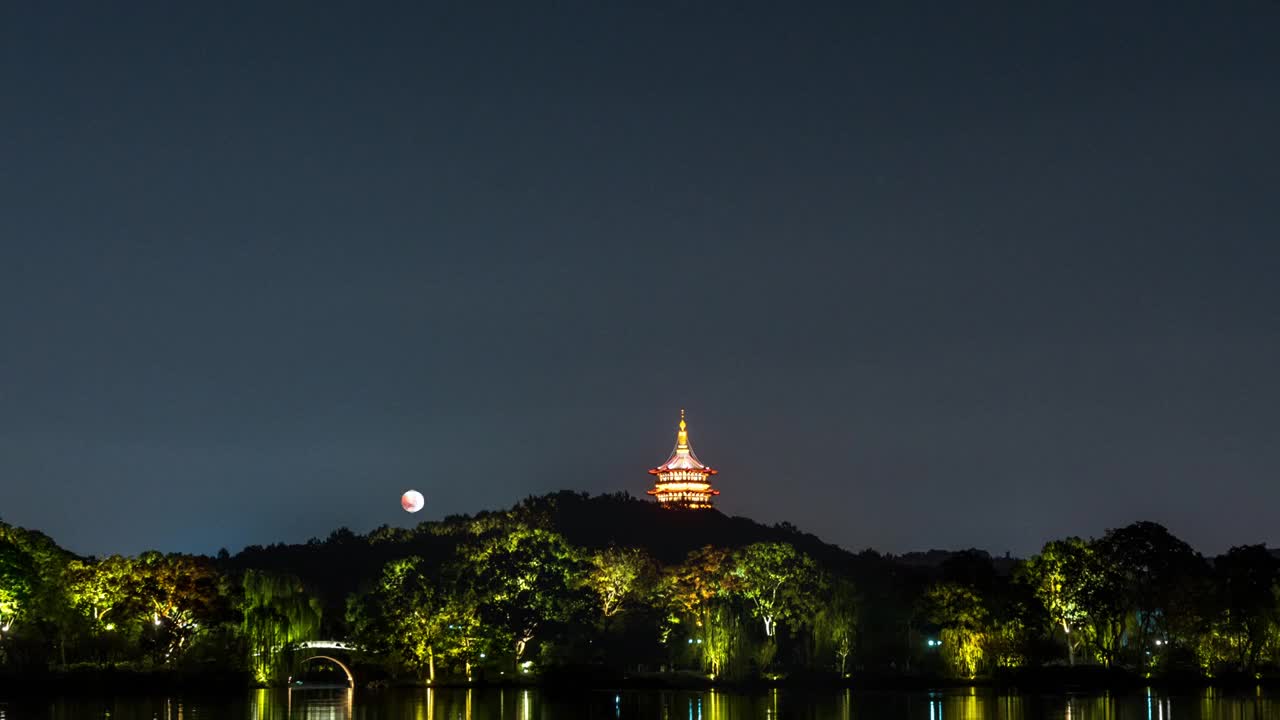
511,704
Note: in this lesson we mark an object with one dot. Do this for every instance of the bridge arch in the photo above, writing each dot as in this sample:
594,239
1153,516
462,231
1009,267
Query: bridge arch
350,677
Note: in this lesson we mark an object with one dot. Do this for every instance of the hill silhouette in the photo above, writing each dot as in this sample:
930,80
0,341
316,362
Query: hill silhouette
346,561
544,575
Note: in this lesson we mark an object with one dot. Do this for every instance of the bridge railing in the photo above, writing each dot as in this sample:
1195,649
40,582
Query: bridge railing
319,645
326,645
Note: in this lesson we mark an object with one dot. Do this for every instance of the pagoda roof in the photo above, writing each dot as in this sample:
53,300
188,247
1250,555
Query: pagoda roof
682,456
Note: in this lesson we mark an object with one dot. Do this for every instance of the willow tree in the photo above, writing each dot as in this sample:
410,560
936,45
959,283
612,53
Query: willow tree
965,624
277,613
778,582
698,592
836,623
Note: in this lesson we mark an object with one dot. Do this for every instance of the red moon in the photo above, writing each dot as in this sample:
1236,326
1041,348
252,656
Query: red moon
412,501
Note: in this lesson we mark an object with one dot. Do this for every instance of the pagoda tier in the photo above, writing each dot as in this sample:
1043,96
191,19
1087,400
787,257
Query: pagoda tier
682,481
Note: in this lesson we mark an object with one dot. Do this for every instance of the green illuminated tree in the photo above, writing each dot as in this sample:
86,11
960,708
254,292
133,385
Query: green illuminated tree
527,579
705,574
18,581
1155,577
698,594
1056,578
836,623
277,612
461,617
778,583
107,591
32,582
402,615
965,623
618,576
1103,597
1247,578
184,593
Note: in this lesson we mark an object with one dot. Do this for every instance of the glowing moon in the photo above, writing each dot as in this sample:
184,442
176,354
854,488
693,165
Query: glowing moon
412,501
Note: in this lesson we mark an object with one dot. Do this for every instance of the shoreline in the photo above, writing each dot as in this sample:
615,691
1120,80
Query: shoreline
1052,681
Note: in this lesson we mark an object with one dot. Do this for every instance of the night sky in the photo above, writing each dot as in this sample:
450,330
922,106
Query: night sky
924,275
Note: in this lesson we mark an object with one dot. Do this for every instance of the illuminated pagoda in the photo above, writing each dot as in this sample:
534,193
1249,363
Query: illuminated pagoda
682,480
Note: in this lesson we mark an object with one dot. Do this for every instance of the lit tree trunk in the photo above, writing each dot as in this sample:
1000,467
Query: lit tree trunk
1071,648
466,655
843,648
907,657
521,644
431,664
769,626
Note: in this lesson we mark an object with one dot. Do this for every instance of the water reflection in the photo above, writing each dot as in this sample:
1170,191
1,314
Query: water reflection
964,705
1157,707
326,704
523,704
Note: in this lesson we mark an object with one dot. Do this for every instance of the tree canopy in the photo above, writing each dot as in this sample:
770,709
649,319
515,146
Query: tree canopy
612,582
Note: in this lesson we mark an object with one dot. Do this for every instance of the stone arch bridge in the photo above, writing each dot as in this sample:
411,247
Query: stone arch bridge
336,652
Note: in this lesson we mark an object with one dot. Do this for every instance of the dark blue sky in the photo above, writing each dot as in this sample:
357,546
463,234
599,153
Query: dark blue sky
924,274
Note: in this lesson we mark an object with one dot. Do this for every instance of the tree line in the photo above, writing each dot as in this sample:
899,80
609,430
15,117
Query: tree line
544,588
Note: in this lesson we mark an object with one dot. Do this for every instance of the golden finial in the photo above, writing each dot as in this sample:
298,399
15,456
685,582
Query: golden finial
682,438
682,419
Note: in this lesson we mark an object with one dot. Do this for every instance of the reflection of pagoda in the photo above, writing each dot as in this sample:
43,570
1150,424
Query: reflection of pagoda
682,480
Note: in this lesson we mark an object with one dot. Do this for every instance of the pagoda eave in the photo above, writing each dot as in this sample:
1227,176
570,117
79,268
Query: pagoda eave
703,471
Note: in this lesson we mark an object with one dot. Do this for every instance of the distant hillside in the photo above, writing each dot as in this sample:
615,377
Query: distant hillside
668,535
541,577
345,561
